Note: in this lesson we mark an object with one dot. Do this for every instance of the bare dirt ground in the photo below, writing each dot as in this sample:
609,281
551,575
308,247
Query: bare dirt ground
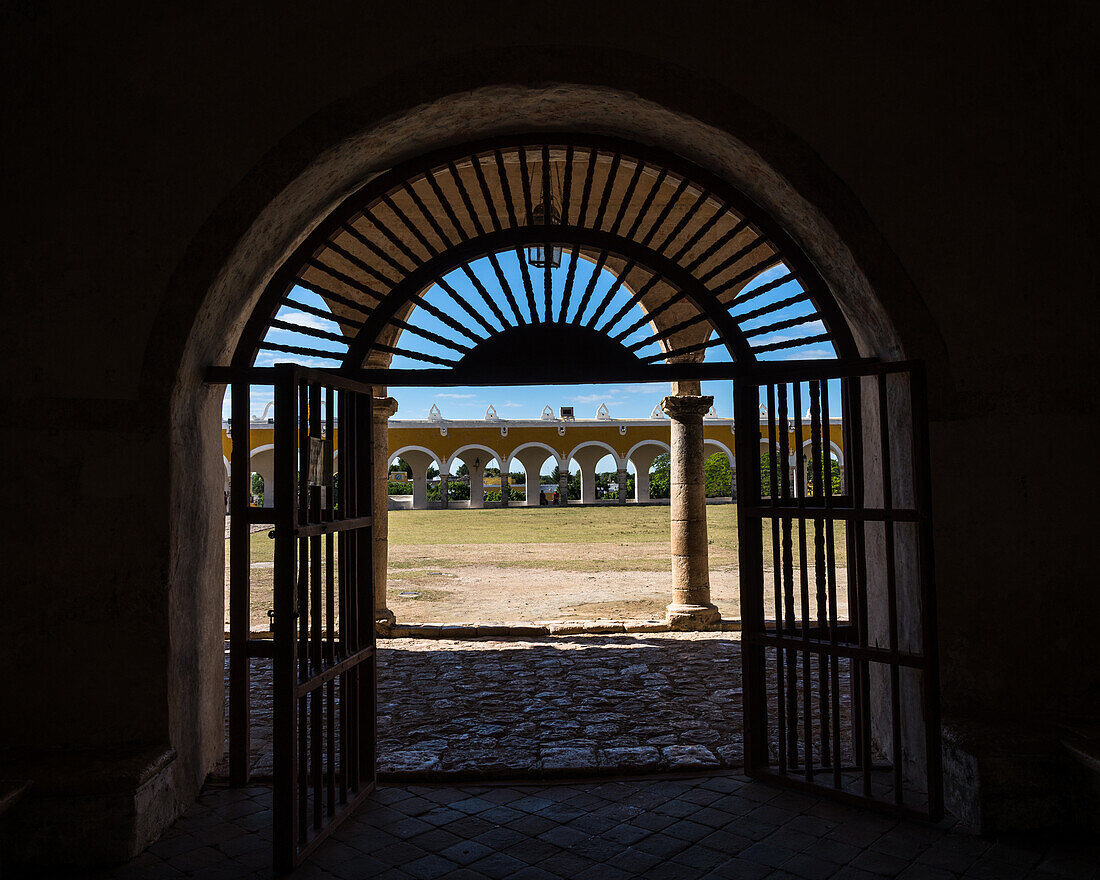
529,565
539,582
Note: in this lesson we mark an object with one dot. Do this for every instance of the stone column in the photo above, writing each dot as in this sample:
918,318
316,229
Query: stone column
477,485
622,485
691,607
444,490
563,487
504,468
384,407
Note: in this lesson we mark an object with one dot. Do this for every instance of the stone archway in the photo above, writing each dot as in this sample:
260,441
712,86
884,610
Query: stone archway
222,294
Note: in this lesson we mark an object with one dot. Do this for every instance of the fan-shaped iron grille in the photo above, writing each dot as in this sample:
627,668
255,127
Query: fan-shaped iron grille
579,251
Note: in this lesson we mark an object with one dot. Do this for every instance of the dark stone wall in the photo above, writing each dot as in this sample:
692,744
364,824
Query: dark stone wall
159,162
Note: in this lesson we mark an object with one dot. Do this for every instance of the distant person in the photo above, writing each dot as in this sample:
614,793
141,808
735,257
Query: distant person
555,499
542,499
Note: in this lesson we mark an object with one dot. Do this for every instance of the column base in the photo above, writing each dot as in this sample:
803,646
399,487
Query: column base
384,617
692,617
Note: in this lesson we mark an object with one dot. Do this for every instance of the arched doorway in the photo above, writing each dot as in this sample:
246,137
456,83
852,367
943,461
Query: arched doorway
489,263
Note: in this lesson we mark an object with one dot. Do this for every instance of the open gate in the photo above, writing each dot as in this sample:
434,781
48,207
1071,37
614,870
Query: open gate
840,678
323,647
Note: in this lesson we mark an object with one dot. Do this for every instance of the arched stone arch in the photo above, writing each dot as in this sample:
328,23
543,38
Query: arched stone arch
477,474
420,459
262,462
720,447
249,235
641,455
588,454
531,457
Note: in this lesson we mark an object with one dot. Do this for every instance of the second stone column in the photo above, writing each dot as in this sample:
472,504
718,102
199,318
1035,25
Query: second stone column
691,607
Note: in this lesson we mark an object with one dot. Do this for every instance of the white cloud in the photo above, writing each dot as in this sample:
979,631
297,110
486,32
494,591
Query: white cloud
452,396
311,321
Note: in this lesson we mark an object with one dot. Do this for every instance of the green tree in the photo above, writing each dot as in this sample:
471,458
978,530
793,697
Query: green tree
834,467
717,476
660,477
258,487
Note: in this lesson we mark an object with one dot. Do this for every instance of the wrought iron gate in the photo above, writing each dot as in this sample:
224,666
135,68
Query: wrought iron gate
839,649
323,647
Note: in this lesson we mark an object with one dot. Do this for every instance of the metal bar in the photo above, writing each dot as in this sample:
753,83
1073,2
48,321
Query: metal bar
591,286
673,200
239,589
329,673
715,246
486,196
764,373
748,295
782,325
388,201
891,584
303,607
432,337
567,183
480,288
793,343
841,649
365,590
930,685
689,214
393,238
751,577
464,195
639,165
786,549
445,204
298,349
505,287
587,191
330,603
428,216
643,211
332,527
635,298
740,254
608,186
415,355
316,623
459,300
857,600
343,278
804,588
817,489
361,264
308,331
285,796
374,248
700,233
781,623
574,255
620,279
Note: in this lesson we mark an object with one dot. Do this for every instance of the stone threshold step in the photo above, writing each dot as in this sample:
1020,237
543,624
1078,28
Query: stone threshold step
548,628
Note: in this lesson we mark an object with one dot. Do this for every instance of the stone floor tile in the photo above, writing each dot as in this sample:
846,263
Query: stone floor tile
634,861
430,867
773,856
497,865
605,872
810,868
918,871
700,858
660,843
879,863
464,852
739,869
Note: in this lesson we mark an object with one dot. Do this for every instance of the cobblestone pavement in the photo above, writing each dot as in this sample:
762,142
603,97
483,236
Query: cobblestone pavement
500,708
681,828
527,707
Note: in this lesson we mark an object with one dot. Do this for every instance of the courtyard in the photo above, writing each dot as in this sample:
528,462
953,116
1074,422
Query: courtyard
542,564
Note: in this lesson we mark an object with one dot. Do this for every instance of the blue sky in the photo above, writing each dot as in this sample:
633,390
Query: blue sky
525,402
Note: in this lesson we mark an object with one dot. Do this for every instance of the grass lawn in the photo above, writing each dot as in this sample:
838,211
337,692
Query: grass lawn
538,563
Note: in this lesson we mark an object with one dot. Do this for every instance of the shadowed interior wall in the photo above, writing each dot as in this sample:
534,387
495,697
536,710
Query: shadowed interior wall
161,165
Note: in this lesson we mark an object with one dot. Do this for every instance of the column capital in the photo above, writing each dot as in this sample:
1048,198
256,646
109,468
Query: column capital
682,407
384,407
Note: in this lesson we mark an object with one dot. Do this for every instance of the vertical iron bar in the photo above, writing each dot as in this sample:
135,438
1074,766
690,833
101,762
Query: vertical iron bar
780,619
285,798
330,606
302,512
316,591
751,574
788,579
830,547
857,588
344,422
804,586
818,492
365,588
930,683
891,584
240,624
